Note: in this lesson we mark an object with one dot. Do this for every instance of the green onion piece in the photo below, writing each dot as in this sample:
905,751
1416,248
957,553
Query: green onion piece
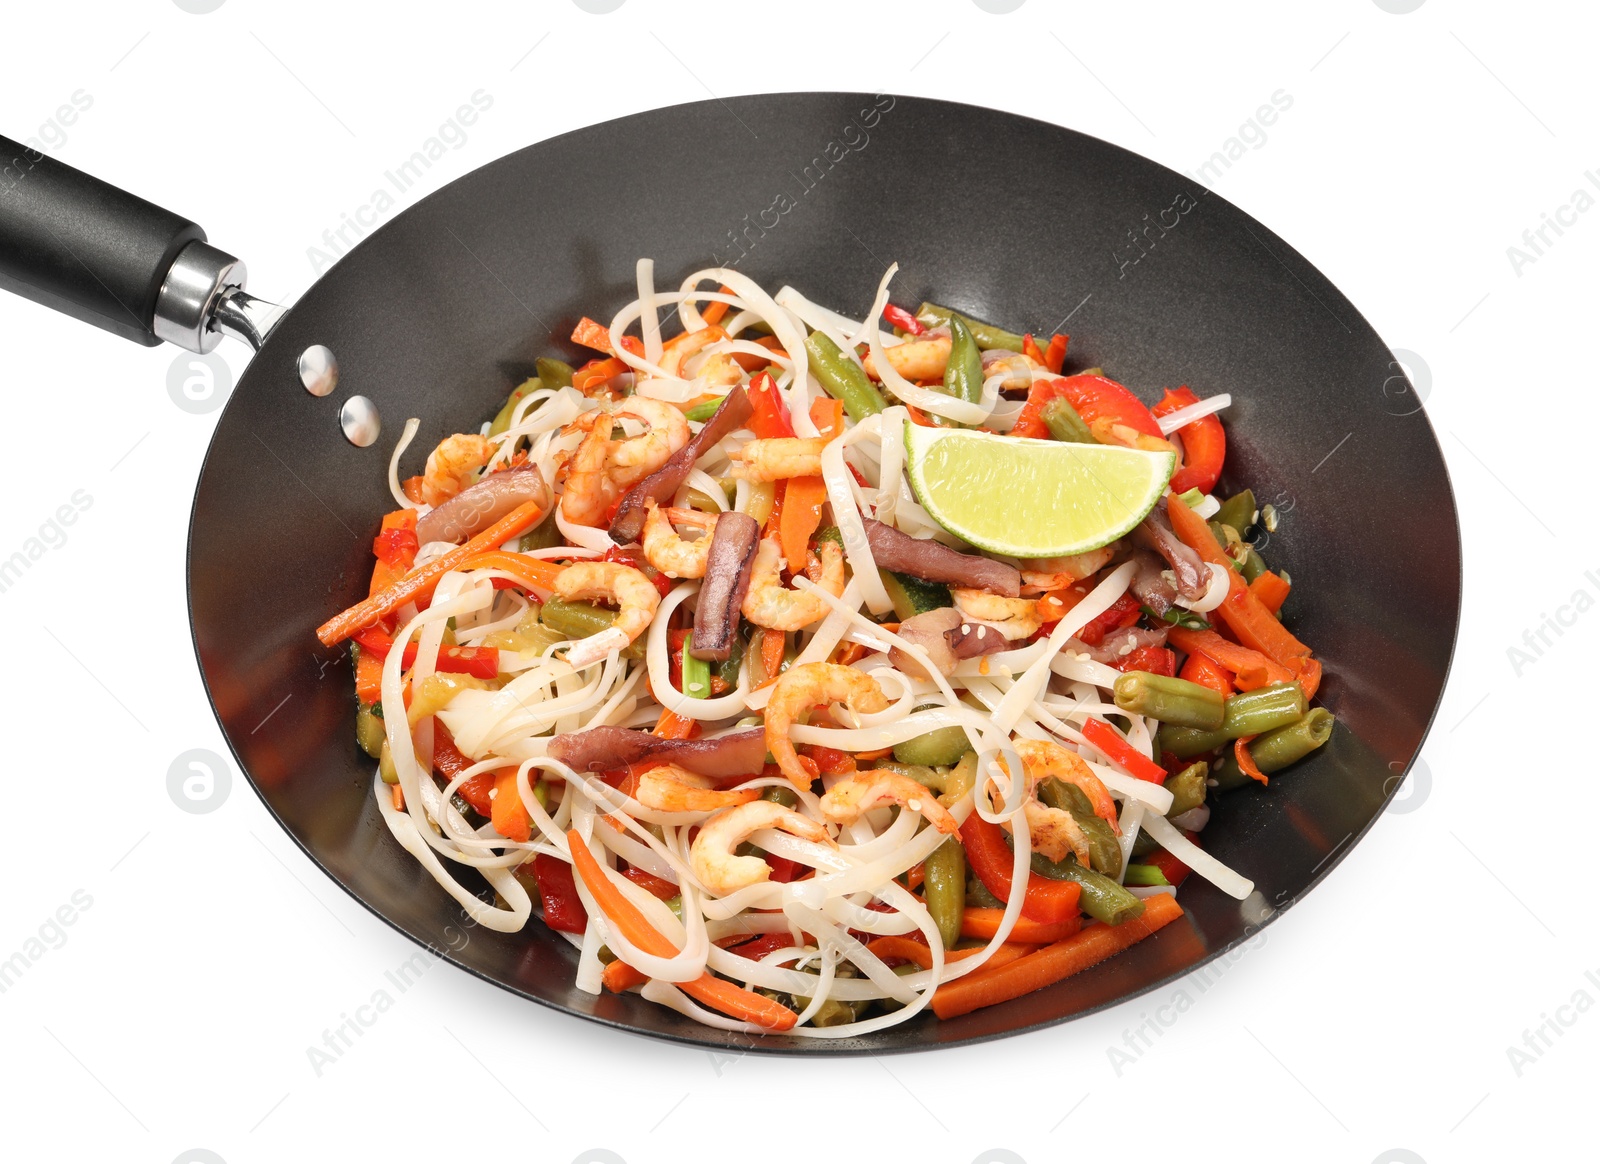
696,673
703,412
1144,875
1191,497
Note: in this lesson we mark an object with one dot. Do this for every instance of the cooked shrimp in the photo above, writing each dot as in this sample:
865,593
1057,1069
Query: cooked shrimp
712,855
602,469
668,552
1055,832
771,604
778,457
861,792
1016,618
801,688
918,359
1055,573
669,788
635,594
1017,366
451,466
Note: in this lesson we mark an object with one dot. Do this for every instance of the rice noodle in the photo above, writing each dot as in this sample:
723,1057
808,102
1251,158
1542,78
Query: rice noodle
400,447
1173,421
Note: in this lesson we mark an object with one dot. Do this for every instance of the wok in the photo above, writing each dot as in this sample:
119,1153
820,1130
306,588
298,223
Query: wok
438,313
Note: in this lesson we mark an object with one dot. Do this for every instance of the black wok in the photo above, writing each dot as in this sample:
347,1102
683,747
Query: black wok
442,310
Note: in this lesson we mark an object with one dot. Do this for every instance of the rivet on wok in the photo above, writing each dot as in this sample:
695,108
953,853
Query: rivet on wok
319,371
359,421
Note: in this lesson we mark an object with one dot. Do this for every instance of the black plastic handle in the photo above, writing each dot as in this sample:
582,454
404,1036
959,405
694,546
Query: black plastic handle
83,247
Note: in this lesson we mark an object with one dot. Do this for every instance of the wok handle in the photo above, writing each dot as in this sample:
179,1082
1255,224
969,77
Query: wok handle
89,250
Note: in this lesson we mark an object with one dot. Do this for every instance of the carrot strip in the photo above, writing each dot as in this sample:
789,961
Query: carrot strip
977,922
1247,665
1256,627
421,580
369,677
1056,354
803,499
828,415
1247,762
731,1000
909,950
397,797
713,312
593,335
1096,943
597,372
530,572
1271,590
672,726
619,976
508,814
1193,532
771,652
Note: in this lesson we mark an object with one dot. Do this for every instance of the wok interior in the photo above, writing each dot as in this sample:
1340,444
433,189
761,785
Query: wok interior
444,310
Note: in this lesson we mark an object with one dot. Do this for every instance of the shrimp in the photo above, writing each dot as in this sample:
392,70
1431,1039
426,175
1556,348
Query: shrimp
778,457
861,792
918,359
669,788
451,466
712,858
668,552
801,688
1053,831
1017,367
718,371
1016,618
602,469
770,604
1056,573
635,594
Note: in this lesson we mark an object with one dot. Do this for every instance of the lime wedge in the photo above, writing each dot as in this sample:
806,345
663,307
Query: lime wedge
1032,498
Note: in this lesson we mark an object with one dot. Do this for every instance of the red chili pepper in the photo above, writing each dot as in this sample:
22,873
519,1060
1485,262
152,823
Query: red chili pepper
1095,398
563,908
903,319
450,763
480,662
769,415
1205,445
1124,612
1153,659
1044,900
1116,749
650,883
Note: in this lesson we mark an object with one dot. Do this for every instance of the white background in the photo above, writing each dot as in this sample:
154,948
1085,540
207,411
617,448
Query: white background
1373,1018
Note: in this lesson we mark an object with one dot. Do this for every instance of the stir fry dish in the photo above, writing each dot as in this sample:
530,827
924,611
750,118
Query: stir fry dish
807,673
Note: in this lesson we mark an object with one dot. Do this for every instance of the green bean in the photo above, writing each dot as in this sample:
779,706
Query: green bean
696,672
579,620
502,420
979,897
543,536
1276,750
963,371
703,412
728,669
1144,875
835,1012
554,373
778,794
842,378
1143,845
369,731
960,779
988,336
1098,895
1239,511
1105,854
1188,788
944,885
1253,565
1175,701
1249,713
935,749
1065,424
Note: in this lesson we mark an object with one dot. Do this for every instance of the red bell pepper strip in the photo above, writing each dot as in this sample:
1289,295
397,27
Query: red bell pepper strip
1171,868
830,761
1056,354
1044,899
769,416
901,318
1094,398
563,908
1207,672
450,763
1116,749
650,883
1124,612
759,947
1154,660
1030,348
480,662
1205,445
